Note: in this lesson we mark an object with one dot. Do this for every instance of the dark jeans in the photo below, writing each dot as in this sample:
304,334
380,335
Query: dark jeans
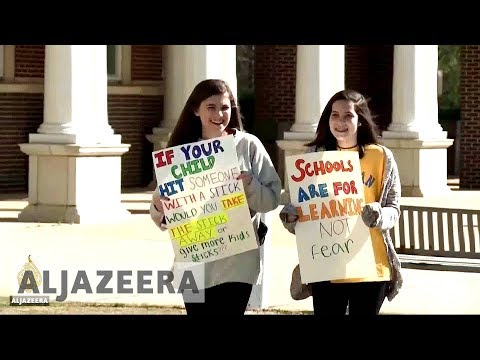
224,299
362,298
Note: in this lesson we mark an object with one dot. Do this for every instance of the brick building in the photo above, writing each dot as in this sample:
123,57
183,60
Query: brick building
142,102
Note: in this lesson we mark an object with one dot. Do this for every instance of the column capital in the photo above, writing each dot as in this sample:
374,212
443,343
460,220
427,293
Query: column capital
73,150
305,129
410,131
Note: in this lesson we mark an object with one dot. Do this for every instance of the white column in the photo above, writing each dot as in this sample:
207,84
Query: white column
184,67
210,62
414,103
187,65
320,74
415,136
174,80
75,159
75,77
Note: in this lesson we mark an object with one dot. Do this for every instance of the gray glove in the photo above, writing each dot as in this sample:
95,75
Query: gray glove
289,217
289,213
372,214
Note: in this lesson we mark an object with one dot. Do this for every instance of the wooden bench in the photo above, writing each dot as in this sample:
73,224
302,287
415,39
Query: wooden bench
438,238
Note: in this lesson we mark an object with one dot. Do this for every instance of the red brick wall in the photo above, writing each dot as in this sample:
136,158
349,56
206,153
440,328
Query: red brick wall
470,115
356,67
133,117
20,115
147,62
369,69
275,67
275,77
380,82
29,61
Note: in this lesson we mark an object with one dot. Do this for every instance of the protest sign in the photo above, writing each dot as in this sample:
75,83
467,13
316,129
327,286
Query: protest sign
332,240
207,214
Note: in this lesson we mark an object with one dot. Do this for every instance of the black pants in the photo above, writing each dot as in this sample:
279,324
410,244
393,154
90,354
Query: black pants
362,298
224,299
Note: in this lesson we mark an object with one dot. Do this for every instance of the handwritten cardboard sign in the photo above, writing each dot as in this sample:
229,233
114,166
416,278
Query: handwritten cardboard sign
207,215
332,240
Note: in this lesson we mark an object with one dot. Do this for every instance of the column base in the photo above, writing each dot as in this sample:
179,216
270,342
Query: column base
302,136
73,214
78,139
422,165
302,128
74,183
159,138
422,191
435,132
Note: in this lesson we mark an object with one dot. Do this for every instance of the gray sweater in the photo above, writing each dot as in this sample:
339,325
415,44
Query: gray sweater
390,202
263,195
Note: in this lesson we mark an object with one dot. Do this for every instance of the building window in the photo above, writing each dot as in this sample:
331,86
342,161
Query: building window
1,61
114,62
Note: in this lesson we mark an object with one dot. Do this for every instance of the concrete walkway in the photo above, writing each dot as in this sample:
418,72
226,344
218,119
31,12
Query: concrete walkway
138,244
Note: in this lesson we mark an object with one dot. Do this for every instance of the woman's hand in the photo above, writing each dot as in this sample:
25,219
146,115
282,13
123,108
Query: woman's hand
289,218
246,177
157,212
371,214
292,218
158,201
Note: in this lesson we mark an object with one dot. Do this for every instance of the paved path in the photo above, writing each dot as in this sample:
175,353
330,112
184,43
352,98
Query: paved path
137,244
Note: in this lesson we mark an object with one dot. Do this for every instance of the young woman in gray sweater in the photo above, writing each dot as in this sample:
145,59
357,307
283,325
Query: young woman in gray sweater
211,111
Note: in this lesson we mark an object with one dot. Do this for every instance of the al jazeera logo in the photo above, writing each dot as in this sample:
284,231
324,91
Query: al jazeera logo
29,279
